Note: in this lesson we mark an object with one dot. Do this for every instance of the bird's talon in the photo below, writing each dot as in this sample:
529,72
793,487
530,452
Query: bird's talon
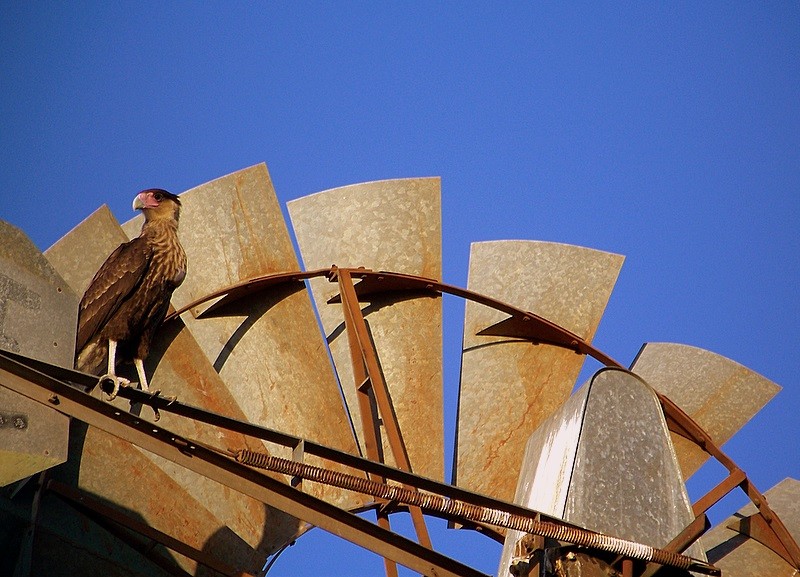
115,382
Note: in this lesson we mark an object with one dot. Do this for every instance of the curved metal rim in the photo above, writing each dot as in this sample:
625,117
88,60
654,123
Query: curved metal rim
529,326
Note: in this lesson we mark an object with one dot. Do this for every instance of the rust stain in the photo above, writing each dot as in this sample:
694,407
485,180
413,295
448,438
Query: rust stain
521,383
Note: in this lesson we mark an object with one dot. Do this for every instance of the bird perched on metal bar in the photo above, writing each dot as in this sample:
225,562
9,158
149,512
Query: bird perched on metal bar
129,295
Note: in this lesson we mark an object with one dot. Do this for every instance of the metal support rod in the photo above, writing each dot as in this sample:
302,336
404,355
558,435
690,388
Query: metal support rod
526,524
728,484
194,457
686,426
369,422
365,363
627,568
298,454
691,533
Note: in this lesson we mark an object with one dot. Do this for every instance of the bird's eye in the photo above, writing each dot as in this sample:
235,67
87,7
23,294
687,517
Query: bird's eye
158,196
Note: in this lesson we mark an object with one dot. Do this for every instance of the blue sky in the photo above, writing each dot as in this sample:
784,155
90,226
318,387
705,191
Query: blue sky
666,133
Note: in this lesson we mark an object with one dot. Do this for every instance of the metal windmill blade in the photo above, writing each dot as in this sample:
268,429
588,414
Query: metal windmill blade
742,548
306,394
249,238
390,225
227,525
568,285
37,316
720,394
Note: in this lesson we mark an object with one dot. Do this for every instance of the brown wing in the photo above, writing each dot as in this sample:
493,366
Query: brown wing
112,284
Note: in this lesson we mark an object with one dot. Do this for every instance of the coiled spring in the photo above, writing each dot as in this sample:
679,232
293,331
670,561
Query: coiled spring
477,513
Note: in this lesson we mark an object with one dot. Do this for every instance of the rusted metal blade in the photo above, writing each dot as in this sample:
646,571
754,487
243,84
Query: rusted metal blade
37,319
578,464
109,467
267,349
719,394
740,546
388,225
509,386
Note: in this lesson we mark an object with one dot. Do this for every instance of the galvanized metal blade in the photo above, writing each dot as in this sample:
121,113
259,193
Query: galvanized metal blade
268,349
37,319
108,467
719,394
509,386
390,225
735,547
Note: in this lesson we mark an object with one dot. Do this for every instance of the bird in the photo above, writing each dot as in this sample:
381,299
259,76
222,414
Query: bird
129,295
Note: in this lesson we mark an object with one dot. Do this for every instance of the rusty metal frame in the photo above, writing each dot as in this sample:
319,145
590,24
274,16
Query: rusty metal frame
219,466
371,388
526,325
194,456
197,449
765,526
168,405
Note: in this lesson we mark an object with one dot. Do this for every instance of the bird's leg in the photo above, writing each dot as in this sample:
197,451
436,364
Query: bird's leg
111,374
143,383
142,376
112,357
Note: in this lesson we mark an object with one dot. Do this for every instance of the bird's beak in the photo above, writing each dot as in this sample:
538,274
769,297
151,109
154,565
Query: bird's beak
144,200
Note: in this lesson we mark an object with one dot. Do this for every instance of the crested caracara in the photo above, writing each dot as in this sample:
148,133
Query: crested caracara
129,296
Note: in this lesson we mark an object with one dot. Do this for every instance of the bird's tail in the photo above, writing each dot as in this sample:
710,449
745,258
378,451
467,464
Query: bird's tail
93,358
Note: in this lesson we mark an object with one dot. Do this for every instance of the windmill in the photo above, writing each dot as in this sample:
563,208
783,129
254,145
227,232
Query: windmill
307,393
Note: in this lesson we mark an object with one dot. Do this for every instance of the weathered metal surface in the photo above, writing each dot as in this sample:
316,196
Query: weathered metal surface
184,369
114,521
37,319
268,350
32,438
741,556
604,461
226,471
626,478
132,482
392,225
373,392
718,393
79,253
107,557
248,530
508,387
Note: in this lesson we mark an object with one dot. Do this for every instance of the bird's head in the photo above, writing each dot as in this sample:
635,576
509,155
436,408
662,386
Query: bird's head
157,203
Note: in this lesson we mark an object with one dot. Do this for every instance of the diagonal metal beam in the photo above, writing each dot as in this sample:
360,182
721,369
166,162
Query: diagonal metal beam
197,458
367,371
137,396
